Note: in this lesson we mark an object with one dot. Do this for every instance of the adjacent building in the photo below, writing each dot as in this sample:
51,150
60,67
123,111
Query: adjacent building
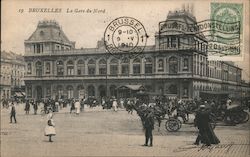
177,66
12,74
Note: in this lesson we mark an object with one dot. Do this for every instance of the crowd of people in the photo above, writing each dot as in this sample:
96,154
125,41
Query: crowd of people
148,110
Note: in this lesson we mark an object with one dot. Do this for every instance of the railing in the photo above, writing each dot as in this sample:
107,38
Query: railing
118,76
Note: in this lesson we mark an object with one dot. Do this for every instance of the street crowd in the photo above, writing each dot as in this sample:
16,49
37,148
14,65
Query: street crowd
147,109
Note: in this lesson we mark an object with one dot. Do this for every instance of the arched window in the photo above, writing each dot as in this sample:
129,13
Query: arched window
136,66
91,90
47,67
148,66
91,67
160,65
185,64
114,67
60,68
125,66
70,92
80,67
38,68
29,68
173,65
102,67
70,67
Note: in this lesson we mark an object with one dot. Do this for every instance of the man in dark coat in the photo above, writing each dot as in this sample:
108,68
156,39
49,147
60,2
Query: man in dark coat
206,134
27,107
12,112
35,106
148,124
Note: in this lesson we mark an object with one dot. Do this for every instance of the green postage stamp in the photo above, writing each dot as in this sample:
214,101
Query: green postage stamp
229,17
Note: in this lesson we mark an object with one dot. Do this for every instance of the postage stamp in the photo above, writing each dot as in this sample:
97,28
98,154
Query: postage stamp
231,15
125,35
220,36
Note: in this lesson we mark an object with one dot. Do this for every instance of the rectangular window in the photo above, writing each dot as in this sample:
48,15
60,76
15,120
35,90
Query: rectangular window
102,71
59,71
113,69
125,69
70,71
28,68
136,69
148,69
47,70
91,70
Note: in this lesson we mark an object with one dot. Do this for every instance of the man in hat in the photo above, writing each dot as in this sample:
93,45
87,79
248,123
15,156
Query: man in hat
148,124
12,112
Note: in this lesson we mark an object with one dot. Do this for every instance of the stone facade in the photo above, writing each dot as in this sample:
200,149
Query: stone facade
56,69
12,73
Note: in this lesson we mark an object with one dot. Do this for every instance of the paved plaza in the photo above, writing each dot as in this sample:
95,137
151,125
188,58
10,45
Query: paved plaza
97,132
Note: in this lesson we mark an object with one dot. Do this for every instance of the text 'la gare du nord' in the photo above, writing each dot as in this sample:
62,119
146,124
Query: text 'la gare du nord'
68,10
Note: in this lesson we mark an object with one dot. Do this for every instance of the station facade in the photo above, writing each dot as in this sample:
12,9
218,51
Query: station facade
177,66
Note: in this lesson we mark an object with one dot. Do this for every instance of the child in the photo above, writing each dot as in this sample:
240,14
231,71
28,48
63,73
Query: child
50,126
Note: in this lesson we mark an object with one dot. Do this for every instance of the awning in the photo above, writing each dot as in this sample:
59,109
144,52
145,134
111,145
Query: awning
215,93
18,94
132,87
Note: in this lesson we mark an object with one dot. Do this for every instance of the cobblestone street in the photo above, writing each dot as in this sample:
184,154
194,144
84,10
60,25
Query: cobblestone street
97,132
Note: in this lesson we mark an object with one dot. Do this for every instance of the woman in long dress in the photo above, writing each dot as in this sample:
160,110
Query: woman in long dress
50,126
115,105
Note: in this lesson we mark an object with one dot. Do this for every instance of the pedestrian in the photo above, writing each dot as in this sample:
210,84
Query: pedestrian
148,125
114,105
35,106
206,134
82,105
72,108
50,126
77,107
27,107
12,112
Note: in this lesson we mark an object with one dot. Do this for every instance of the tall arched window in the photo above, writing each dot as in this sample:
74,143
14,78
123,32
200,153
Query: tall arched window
91,67
47,66
80,67
114,67
102,67
148,66
173,65
136,66
60,68
185,64
70,68
91,90
160,65
125,66
29,68
38,68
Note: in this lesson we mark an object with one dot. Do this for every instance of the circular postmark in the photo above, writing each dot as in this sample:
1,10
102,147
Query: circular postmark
125,35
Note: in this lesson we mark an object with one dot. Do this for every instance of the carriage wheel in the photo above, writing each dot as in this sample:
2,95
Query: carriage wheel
173,125
246,117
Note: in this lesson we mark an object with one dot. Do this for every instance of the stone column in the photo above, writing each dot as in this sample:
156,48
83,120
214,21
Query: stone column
130,67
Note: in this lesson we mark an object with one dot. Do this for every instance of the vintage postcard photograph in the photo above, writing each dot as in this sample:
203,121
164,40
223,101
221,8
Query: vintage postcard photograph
125,78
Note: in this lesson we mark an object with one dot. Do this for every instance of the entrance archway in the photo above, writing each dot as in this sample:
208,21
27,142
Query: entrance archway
39,92
102,91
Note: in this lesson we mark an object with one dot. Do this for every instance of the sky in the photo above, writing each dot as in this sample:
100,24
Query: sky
87,28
